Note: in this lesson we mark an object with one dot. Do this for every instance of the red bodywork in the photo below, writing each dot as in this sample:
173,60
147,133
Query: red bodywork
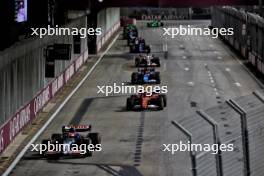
145,99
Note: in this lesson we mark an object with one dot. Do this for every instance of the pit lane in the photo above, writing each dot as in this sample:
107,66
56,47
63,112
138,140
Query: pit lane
132,141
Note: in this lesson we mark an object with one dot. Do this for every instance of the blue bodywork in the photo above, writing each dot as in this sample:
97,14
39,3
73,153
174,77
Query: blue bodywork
141,47
146,78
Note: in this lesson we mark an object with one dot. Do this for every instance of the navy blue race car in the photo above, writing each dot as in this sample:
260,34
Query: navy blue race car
71,136
139,46
145,76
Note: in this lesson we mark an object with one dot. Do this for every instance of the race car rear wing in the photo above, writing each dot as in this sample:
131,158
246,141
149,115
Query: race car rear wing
151,69
77,128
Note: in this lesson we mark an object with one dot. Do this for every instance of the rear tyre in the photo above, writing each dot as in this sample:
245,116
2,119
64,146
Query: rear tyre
156,60
134,78
95,138
157,77
164,100
147,49
129,104
44,142
160,103
57,137
132,48
137,62
87,141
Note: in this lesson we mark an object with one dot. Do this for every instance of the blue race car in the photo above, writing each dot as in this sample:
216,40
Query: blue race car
70,137
145,76
132,37
139,46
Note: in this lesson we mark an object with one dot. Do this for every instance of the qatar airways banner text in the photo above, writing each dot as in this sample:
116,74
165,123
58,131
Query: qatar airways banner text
175,3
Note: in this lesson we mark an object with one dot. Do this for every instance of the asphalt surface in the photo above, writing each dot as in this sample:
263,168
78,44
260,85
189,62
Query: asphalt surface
200,72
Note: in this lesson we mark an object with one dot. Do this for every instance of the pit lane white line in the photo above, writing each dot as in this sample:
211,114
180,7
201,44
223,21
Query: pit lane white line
190,83
21,154
213,82
164,67
228,69
237,84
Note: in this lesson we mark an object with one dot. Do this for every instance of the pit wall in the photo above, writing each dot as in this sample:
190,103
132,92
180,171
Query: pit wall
24,90
109,21
248,38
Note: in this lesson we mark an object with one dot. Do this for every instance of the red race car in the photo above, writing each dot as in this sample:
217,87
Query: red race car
143,101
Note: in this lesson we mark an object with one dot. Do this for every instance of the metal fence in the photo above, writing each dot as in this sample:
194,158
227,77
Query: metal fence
239,122
248,38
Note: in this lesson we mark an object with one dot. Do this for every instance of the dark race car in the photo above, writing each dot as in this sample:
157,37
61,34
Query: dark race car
139,46
145,76
143,102
155,23
147,61
72,135
132,36
130,30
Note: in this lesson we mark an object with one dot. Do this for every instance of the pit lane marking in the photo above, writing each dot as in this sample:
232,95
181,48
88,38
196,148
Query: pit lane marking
227,69
164,67
238,84
212,80
190,83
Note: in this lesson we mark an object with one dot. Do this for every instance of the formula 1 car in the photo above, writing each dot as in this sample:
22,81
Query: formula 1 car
143,101
130,30
145,76
147,61
155,23
139,46
131,39
71,135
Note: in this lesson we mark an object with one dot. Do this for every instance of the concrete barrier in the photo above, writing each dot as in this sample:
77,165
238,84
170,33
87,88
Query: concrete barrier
27,113
105,38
